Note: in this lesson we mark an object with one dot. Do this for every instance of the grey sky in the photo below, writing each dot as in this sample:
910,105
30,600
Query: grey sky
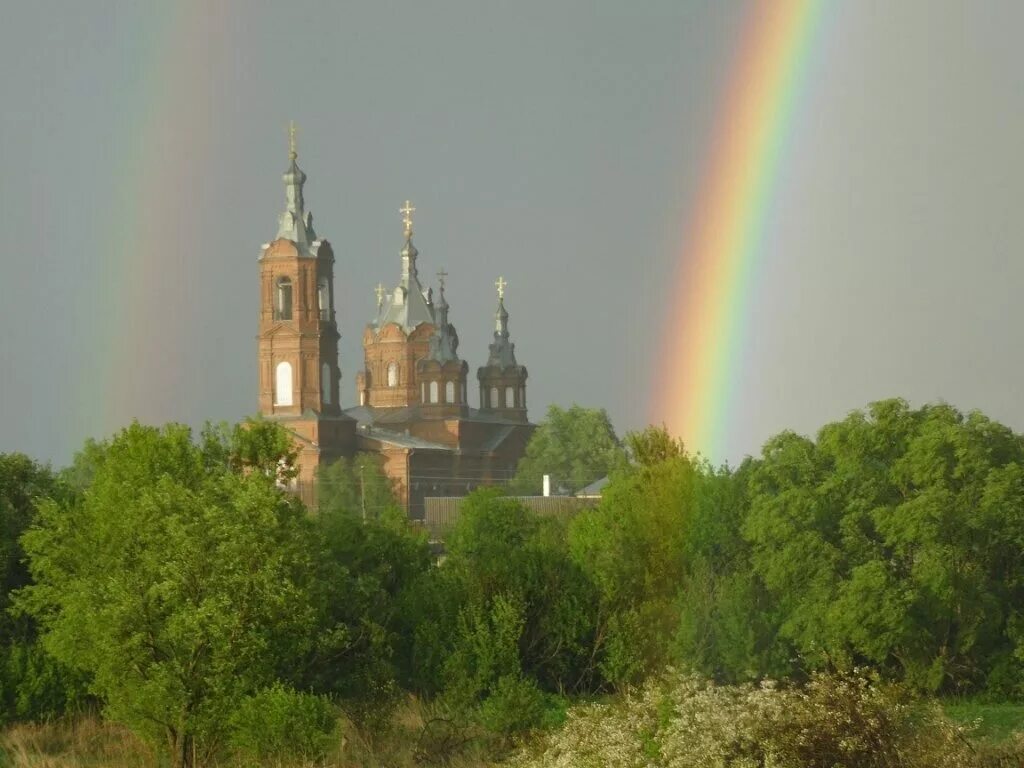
557,144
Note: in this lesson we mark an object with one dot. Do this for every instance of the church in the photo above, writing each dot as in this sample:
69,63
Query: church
412,390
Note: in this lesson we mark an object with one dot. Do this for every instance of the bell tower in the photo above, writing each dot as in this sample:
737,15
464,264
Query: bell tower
298,336
503,380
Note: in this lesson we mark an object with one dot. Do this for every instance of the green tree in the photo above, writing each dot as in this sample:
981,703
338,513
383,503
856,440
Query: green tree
178,587
631,549
506,616
32,684
895,539
575,446
371,554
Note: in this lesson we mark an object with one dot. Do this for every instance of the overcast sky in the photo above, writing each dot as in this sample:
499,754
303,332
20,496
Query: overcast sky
558,144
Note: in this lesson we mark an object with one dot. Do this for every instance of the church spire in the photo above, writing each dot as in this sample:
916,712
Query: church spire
409,252
503,351
444,342
295,223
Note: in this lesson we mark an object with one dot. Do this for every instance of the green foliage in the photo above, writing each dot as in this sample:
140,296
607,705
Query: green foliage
279,723
631,549
32,684
358,487
575,446
367,565
178,589
895,540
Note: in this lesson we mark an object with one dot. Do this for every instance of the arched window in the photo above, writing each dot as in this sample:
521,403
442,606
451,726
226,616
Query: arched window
323,297
325,383
449,392
494,397
433,391
283,390
510,397
423,392
283,305
392,374
522,397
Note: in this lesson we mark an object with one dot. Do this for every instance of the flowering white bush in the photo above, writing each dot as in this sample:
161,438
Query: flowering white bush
684,721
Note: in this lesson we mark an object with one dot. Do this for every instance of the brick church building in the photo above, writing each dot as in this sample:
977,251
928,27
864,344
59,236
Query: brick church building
412,391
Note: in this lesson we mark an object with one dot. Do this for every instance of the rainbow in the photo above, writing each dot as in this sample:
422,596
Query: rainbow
136,326
703,336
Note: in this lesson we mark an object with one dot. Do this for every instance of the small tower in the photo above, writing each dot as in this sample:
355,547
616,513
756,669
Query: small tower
441,374
398,336
298,336
503,380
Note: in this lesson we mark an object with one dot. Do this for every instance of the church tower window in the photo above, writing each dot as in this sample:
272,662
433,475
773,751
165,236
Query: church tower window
433,392
494,397
510,397
283,308
449,392
325,383
283,390
392,374
323,296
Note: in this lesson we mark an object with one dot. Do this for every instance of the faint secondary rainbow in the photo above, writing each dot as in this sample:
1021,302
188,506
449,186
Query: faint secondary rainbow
703,338
138,325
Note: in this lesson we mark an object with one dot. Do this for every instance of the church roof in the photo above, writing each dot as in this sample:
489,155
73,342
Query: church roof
368,415
408,305
296,223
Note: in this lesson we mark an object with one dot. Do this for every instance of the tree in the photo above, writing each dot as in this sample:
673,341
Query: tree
32,684
631,548
575,446
177,584
895,539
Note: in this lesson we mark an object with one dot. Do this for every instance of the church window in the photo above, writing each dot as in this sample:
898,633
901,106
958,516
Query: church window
449,392
494,398
362,397
325,383
433,392
392,374
522,397
423,392
283,307
283,390
323,296
510,397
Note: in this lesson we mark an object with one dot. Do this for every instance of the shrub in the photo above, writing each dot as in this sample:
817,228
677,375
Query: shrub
515,704
279,722
684,721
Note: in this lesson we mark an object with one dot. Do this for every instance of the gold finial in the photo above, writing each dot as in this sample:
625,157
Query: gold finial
380,294
500,285
441,276
407,211
292,154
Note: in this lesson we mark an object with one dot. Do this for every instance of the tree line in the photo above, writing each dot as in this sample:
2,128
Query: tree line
172,581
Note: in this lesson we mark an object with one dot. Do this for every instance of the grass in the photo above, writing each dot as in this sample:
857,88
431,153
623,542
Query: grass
87,741
995,721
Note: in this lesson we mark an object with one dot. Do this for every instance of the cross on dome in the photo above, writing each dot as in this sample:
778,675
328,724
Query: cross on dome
291,140
500,284
379,290
407,211
441,275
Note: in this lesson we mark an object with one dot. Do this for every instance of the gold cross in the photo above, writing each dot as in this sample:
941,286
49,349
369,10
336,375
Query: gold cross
500,285
441,276
407,211
291,140
380,294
